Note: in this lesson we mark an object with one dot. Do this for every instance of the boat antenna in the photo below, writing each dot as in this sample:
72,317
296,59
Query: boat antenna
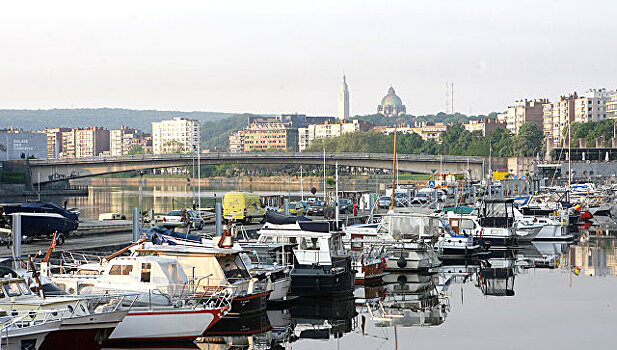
394,171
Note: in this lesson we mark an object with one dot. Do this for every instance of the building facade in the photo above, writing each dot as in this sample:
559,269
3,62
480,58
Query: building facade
85,142
391,104
54,142
611,106
343,100
236,141
592,106
557,116
314,131
426,130
270,136
524,111
122,140
484,126
19,144
176,135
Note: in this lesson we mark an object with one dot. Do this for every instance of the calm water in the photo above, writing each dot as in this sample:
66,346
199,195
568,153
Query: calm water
543,296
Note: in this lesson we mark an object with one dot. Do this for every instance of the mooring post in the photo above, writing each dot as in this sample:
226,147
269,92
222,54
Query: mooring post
16,233
136,215
218,210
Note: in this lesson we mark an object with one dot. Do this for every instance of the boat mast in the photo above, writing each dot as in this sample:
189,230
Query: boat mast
394,172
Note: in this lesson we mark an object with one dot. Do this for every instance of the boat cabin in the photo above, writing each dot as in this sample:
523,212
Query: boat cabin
409,227
497,213
314,241
206,266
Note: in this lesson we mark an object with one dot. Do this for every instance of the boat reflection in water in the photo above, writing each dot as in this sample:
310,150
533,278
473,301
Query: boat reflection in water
596,252
412,301
323,318
307,318
541,254
496,276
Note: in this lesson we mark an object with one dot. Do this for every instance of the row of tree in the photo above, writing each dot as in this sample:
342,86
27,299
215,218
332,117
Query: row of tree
456,141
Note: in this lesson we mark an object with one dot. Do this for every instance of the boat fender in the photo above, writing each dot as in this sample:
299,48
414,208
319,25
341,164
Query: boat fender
401,262
401,280
384,263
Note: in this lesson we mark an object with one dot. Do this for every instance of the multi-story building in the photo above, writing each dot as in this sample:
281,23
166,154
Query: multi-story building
176,135
19,144
525,111
591,107
485,126
236,141
84,142
122,140
611,106
270,136
557,116
54,142
427,130
314,131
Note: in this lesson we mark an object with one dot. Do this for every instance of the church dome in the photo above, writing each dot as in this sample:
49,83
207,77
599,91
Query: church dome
391,99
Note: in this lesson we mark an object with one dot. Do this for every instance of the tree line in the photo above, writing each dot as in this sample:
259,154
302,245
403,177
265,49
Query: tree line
455,141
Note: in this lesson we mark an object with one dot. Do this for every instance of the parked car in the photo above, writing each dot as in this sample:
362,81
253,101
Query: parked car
317,208
242,206
295,208
345,205
384,202
183,218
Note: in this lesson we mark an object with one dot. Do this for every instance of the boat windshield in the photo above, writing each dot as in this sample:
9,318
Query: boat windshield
12,289
232,267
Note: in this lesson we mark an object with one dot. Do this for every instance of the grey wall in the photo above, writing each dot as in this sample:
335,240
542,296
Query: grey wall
30,144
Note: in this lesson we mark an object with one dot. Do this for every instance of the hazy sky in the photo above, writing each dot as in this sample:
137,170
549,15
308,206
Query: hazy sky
288,56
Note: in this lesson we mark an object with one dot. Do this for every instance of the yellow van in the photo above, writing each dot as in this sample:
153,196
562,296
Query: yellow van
242,206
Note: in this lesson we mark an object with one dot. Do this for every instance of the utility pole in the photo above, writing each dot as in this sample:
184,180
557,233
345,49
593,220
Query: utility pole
324,169
394,172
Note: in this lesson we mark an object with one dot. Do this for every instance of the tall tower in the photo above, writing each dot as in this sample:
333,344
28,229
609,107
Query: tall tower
343,100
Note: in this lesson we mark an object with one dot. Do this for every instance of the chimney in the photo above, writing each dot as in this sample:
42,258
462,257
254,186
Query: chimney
600,142
582,142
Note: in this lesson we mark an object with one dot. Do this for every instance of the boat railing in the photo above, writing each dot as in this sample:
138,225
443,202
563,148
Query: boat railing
28,318
194,293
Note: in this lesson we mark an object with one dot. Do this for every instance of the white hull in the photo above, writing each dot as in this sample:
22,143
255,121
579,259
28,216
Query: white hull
167,324
280,289
552,232
17,338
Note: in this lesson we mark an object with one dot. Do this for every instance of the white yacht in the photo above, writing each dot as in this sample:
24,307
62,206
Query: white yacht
322,266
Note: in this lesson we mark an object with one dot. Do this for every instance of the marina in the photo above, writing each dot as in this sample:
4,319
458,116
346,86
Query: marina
417,276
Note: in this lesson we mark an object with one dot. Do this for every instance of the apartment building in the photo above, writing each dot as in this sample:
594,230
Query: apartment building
54,142
176,135
311,132
236,141
84,142
427,130
122,140
611,106
524,111
484,126
592,106
557,116
270,136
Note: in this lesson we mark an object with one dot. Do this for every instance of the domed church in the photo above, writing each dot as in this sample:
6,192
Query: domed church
391,104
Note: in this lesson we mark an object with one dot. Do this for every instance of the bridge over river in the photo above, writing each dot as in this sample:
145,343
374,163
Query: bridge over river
51,170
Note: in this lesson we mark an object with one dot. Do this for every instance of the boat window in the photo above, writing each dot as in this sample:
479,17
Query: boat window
293,240
232,269
313,244
467,225
24,288
146,269
12,289
1,293
121,270
337,244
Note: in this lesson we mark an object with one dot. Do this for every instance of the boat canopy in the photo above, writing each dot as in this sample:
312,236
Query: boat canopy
40,207
408,226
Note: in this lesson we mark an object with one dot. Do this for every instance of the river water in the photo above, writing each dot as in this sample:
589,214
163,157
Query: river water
540,296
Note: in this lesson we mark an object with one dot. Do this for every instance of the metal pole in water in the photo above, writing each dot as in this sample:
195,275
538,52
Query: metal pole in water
218,210
336,204
136,224
16,236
